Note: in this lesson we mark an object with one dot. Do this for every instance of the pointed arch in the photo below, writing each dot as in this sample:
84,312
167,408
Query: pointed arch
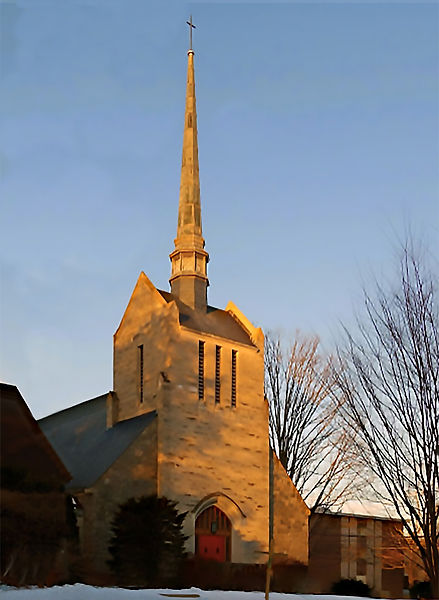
226,516
224,502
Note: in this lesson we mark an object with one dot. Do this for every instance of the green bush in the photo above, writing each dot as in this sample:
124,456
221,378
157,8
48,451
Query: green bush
351,587
147,546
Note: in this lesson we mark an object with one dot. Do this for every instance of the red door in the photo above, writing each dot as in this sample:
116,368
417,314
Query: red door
212,547
213,532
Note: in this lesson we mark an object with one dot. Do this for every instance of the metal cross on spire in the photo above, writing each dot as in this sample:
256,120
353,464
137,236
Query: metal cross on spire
191,26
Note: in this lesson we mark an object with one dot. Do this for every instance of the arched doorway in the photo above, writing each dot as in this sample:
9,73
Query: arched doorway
213,531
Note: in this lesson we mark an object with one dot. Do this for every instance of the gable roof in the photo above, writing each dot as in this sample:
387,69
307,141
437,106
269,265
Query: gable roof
23,444
214,321
80,436
143,283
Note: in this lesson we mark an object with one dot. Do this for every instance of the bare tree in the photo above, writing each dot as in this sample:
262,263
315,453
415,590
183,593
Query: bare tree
304,432
389,378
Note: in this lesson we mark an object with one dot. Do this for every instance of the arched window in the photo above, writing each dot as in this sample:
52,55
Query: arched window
213,531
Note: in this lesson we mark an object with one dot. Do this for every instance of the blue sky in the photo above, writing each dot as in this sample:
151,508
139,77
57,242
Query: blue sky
319,148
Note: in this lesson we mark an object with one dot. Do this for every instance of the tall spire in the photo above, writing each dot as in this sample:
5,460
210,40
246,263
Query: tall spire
189,259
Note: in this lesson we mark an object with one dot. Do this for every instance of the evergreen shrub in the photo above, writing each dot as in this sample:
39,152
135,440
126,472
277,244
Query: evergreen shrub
351,587
421,589
147,544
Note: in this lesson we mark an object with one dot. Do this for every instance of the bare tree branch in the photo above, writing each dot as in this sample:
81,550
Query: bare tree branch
304,431
389,378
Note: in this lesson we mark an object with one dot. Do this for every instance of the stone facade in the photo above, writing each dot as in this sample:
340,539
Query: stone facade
133,475
150,322
290,519
209,452
213,448
199,452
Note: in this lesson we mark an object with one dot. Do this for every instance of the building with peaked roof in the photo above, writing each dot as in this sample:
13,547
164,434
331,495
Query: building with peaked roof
187,418
26,456
35,520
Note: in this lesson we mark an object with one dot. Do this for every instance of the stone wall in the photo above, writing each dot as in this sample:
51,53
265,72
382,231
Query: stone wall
214,450
151,322
290,519
134,474
209,452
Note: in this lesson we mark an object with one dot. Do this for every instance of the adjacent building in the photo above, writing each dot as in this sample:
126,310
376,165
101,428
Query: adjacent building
351,546
36,523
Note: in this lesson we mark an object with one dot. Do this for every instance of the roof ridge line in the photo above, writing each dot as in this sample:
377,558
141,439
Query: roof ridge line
58,412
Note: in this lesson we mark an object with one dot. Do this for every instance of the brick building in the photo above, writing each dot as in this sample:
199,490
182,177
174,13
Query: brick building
351,546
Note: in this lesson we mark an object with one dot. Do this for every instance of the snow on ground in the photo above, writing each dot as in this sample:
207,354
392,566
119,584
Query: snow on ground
87,592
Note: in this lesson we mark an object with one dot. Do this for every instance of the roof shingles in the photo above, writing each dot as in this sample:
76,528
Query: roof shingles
83,442
214,321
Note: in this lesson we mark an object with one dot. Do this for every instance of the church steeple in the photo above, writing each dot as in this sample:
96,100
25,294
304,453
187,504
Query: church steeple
189,259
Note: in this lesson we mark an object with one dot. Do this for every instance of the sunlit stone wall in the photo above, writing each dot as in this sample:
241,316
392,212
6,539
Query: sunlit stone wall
290,519
207,447
134,474
207,451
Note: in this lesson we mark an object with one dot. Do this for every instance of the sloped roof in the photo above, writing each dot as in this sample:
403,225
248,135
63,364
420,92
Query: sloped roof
368,509
80,437
23,443
214,321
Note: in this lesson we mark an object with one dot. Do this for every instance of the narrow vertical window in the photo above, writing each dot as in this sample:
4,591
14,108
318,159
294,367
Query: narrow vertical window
217,374
140,373
233,391
200,370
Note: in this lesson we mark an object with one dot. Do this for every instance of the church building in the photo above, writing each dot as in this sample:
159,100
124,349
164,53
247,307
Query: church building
187,418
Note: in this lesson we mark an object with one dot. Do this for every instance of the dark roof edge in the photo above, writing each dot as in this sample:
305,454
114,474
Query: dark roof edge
200,331
164,293
170,298
65,474
152,414
64,410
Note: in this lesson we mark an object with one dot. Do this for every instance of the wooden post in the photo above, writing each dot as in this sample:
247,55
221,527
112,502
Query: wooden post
269,570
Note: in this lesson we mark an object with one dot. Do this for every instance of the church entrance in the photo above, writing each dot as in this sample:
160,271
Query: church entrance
213,531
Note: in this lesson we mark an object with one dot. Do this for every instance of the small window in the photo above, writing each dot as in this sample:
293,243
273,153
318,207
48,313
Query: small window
140,348
361,566
217,374
200,370
233,390
362,544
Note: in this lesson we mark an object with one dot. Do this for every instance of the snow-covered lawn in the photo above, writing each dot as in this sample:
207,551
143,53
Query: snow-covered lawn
87,592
